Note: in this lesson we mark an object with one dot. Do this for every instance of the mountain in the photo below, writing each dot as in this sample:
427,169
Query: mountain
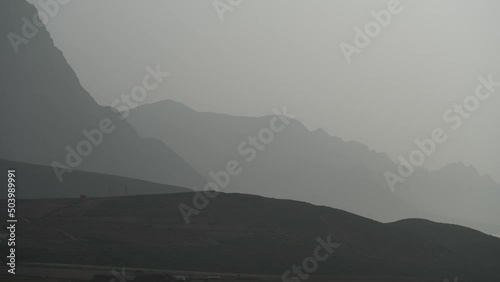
456,191
315,167
47,117
240,233
36,181
467,242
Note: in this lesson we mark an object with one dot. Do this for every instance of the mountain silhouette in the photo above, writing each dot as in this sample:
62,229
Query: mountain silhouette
315,167
45,111
241,233
36,181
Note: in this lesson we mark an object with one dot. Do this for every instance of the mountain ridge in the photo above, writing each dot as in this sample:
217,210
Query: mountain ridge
38,182
46,116
109,230
320,168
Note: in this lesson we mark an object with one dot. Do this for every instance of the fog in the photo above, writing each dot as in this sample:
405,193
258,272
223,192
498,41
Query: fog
267,54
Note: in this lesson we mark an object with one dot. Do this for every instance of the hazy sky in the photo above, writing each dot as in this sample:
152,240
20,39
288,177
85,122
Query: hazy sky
268,54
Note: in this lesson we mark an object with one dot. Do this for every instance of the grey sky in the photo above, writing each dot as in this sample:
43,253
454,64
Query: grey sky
272,53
